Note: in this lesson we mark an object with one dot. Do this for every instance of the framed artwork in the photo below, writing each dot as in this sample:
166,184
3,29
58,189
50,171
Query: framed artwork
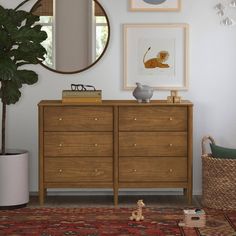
156,55
155,5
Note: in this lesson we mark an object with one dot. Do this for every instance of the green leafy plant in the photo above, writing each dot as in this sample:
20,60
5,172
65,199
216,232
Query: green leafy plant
20,44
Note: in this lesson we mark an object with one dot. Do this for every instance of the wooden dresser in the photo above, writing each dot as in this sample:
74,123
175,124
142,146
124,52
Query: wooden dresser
115,144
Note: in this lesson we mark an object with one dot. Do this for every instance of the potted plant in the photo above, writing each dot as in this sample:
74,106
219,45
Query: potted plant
20,45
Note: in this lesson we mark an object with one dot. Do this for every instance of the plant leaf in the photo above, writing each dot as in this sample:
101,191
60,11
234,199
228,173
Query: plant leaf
31,20
29,52
17,17
7,68
29,34
7,22
27,76
20,43
11,93
5,42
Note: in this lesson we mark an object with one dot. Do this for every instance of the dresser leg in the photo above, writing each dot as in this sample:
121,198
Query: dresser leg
188,194
42,195
115,192
185,192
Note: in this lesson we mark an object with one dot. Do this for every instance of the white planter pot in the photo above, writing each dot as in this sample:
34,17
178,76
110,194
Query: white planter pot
14,180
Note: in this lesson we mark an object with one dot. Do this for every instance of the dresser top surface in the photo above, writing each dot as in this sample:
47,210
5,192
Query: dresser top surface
115,103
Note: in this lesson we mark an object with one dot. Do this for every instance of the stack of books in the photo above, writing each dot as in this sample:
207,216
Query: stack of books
87,96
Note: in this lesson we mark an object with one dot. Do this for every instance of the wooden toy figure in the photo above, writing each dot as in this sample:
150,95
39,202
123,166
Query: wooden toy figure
137,215
194,218
174,98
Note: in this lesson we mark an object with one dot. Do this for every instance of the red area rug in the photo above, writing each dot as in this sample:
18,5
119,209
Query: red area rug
110,222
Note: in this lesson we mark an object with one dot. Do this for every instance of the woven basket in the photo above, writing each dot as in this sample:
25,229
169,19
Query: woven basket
218,180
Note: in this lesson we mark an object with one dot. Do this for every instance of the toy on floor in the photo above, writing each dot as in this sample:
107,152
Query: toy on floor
137,215
194,218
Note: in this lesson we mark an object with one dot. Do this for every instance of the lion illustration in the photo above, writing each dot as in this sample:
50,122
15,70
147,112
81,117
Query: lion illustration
162,56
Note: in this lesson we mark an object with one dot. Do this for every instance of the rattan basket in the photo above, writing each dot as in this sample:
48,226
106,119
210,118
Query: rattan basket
218,180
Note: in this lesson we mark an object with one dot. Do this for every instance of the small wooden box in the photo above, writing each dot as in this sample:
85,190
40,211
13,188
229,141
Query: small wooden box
194,218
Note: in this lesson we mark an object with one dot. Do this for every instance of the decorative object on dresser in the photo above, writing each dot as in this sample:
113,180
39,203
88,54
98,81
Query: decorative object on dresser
21,45
115,144
174,98
81,93
143,93
155,5
157,54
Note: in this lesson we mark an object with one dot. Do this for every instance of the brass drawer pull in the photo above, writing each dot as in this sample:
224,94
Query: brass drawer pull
95,145
60,119
170,170
171,145
135,144
134,170
171,118
60,145
60,171
97,173
135,118
95,118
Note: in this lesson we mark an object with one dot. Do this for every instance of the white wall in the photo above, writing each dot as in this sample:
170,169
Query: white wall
212,79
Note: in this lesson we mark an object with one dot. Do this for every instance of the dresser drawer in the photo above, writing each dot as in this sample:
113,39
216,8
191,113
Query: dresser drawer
154,118
153,144
152,169
74,170
78,118
78,144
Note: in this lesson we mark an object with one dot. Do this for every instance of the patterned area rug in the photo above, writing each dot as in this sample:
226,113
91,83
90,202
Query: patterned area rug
110,222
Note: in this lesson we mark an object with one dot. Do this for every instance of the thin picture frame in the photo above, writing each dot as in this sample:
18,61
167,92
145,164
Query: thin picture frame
155,5
145,44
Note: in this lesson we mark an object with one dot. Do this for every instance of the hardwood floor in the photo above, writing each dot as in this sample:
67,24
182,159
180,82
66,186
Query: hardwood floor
124,201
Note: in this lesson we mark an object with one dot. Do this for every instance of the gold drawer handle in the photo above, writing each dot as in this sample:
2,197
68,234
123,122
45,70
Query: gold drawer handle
60,145
171,118
95,118
171,145
60,119
97,173
135,144
60,171
134,170
95,145
170,170
135,118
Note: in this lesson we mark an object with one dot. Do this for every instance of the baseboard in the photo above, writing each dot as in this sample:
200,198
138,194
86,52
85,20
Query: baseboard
107,192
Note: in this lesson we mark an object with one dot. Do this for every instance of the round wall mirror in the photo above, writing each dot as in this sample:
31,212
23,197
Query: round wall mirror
78,33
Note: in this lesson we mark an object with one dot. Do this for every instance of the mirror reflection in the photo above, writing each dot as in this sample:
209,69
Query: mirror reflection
78,33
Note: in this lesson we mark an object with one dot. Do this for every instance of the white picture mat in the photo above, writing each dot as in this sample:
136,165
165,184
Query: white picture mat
174,78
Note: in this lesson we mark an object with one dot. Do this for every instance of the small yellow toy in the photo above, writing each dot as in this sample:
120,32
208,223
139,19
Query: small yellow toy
137,215
194,218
